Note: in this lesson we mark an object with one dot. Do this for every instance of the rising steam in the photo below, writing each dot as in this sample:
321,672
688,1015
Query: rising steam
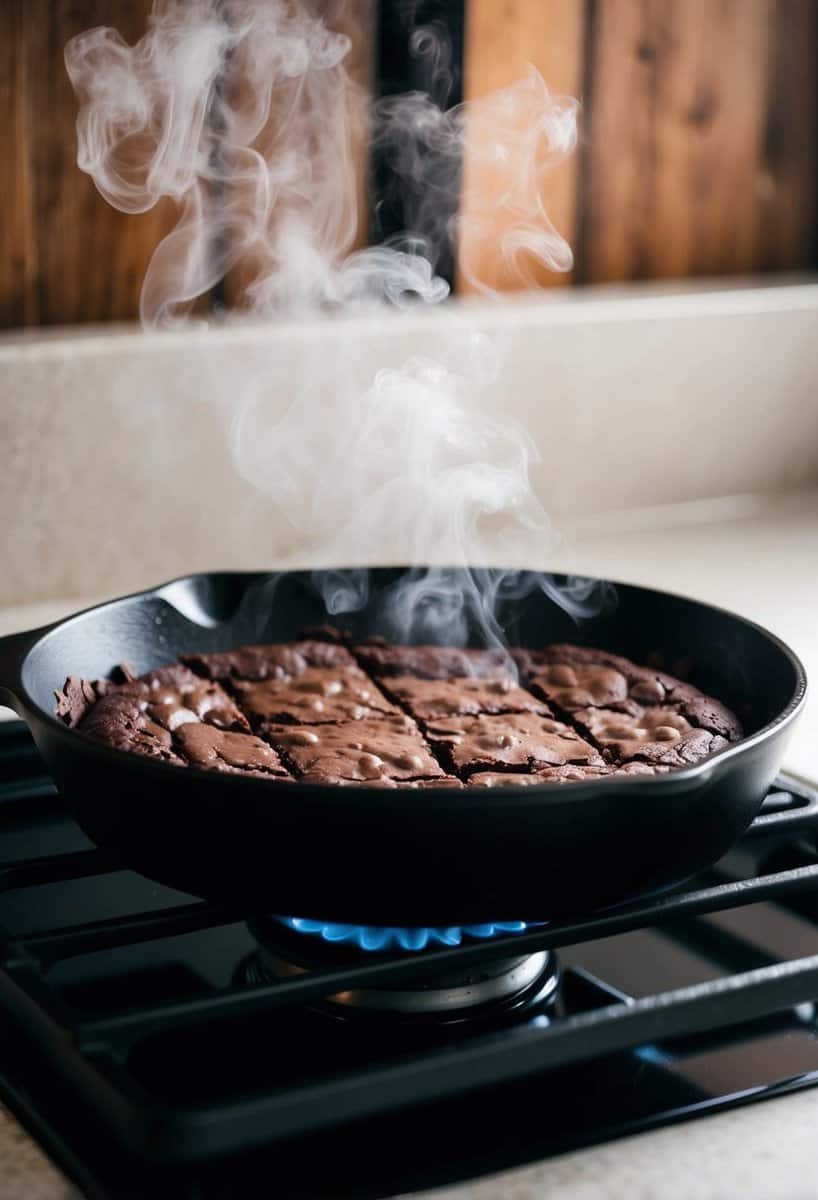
244,114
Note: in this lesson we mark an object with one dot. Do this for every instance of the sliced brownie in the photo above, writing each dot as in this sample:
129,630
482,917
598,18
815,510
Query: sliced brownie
276,661
659,734
123,722
229,752
430,699
571,773
175,696
578,677
513,740
315,696
442,781
433,662
389,747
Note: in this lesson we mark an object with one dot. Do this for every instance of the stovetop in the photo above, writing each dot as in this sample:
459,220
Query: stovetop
148,1045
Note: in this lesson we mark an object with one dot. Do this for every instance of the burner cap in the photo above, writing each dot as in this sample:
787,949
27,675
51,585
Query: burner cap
454,993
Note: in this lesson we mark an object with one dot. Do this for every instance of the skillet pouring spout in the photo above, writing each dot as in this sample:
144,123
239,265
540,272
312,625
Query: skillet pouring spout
405,857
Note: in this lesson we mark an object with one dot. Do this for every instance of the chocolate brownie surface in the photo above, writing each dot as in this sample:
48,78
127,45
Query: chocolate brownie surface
314,696
440,781
660,734
229,752
434,662
123,722
390,747
276,661
569,773
380,715
175,696
578,677
526,740
429,699
575,677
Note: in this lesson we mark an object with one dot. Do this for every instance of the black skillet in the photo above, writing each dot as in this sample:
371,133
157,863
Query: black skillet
405,857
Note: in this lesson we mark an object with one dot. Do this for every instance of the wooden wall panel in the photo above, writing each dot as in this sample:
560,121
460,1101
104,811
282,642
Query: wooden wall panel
502,38
698,154
356,19
77,259
786,193
674,178
18,236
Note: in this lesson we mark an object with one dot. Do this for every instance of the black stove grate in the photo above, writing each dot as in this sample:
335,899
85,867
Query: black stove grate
125,998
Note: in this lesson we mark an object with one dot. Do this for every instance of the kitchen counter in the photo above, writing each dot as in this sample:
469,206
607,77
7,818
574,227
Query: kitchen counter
768,1151
758,556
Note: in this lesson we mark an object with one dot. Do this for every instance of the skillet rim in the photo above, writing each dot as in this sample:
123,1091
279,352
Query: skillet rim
684,778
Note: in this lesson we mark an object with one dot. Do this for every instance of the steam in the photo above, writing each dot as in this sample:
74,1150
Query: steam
244,115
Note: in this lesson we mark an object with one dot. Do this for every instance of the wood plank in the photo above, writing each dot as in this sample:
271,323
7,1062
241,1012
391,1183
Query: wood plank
356,19
18,245
82,261
502,38
786,189
699,144
674,171
92,258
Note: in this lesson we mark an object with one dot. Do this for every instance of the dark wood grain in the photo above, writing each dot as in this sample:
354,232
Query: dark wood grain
678,176
698,155
18,240
355,19
787,184
79,259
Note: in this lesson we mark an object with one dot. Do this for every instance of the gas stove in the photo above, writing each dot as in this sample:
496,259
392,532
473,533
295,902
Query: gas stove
157,1044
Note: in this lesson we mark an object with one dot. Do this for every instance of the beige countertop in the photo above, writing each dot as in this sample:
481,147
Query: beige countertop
767,1151
758,557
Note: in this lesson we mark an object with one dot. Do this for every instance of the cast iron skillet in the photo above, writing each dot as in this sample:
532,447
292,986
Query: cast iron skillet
404,857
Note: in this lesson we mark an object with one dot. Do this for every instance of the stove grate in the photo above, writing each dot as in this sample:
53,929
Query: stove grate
93,1053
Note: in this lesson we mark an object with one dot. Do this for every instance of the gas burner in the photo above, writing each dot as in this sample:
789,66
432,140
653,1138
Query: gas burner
509,983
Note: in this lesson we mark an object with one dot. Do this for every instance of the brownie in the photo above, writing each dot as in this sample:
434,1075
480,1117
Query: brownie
122,721
270,662
429,699
142,714
577,677
390,747
656,734
708,713
76,698
486,743
580,686
640,768
432,716
434,662
571,773
174,696
315,696
229,752
443,781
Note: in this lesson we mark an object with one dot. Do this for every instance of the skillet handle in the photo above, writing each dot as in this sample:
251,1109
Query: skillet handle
13,650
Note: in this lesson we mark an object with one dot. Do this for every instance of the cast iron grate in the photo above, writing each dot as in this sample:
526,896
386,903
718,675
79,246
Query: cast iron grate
92,1050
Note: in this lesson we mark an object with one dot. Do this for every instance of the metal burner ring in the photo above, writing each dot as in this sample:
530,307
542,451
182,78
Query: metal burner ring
500,980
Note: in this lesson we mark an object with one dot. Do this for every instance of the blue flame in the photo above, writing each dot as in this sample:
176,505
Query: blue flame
389,937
